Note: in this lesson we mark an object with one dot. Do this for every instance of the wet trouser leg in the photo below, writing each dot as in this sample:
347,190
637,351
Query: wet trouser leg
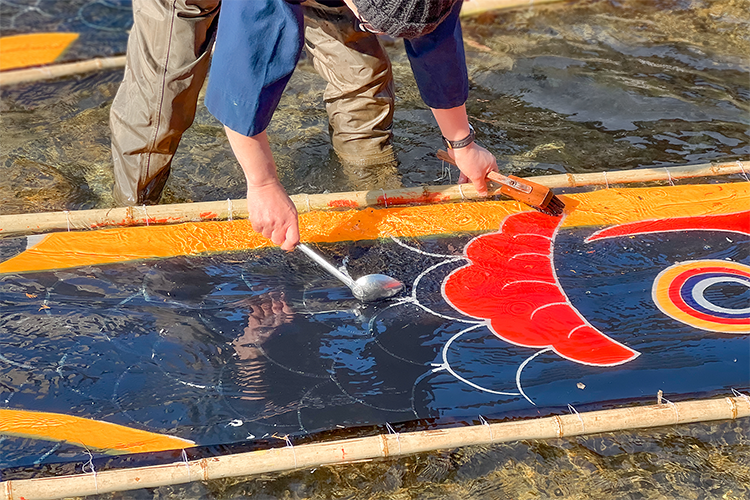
359,96
167,60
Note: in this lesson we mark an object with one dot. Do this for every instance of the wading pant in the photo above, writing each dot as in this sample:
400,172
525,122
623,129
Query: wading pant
167,60
359,96
168,57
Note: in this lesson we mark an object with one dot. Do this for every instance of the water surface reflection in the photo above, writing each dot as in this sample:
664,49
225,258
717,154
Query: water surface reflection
577,87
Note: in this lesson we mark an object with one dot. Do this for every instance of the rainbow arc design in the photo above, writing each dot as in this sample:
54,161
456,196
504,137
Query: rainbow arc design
680,292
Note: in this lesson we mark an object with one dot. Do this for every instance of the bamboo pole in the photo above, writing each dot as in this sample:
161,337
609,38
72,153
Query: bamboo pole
39,73
474,7
380,446
25,224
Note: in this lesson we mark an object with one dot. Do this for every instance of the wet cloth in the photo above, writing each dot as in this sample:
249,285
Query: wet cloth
259,43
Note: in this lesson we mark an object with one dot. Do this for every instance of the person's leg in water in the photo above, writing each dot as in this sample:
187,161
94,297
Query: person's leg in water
168,57
359,96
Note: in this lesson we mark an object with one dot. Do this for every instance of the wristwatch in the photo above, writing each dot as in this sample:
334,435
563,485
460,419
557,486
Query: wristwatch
461,143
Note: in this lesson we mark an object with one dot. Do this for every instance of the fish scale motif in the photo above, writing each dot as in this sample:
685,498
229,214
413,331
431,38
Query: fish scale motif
513,272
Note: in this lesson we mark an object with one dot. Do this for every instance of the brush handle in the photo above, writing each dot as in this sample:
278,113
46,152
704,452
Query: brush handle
509,181
497,177
528,192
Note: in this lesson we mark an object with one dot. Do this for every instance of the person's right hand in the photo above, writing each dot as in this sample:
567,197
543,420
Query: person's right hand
273,214
475,163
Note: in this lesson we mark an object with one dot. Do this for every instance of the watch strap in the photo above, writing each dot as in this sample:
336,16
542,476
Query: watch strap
462,143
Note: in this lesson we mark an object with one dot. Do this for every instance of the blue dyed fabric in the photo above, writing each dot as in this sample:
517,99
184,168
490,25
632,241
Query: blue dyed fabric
259,43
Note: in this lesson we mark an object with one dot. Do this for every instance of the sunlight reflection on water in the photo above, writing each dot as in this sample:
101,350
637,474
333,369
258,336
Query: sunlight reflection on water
564,89
574,88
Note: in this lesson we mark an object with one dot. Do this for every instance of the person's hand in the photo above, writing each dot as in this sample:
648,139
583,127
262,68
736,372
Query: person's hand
475,163
271,211
273,214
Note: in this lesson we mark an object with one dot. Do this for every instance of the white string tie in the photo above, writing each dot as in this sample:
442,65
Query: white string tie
742,167
67,218
290,445
489,427
461,190
669,176
674,407
90,464
385,198
146,212
445,171
229,209
573,410
392,431
741,395
606,182
187,464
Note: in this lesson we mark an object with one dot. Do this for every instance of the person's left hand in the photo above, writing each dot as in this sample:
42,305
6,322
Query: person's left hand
475,163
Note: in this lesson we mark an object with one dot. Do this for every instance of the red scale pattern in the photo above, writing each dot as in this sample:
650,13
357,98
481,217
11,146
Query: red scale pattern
511,283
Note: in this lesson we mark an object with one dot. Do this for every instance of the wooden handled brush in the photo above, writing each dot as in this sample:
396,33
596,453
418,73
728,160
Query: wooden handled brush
532,194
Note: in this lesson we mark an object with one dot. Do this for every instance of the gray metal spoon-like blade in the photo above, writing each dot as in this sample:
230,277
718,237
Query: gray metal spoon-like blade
367,288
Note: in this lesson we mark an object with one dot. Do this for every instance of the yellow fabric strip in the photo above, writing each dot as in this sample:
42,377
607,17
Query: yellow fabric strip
606,207
95,434
35,49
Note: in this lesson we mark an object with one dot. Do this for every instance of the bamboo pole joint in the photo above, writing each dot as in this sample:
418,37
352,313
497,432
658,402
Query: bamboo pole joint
379,446
39,223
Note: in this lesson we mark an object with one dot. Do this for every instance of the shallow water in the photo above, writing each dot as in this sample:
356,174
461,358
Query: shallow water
698,461
581,87
588,86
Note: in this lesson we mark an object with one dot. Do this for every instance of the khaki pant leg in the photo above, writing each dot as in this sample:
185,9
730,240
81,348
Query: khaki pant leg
167,61
359,96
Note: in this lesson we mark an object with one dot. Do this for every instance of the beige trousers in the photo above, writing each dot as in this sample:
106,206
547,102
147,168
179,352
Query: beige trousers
167,61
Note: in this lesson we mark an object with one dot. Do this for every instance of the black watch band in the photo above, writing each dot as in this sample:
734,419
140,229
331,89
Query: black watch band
463,142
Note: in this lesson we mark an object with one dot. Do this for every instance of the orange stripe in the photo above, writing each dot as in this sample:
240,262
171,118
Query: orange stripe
609,207
104,436
35,49
598,208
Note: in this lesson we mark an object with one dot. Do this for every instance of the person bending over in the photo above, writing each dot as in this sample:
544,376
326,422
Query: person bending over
257,48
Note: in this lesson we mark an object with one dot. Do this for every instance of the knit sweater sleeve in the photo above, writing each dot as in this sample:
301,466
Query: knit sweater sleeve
258,44
438,62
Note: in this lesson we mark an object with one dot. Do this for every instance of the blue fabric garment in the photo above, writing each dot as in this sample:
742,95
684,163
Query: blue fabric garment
438,62
258,45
